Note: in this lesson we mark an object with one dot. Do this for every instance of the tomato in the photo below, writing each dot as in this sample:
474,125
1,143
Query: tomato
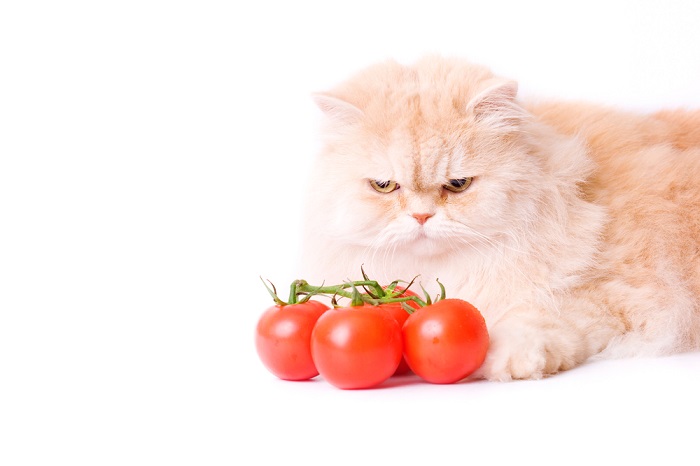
445,341
356,347
283,339
400,314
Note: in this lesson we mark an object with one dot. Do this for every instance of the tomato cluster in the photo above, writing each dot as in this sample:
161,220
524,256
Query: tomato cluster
363,344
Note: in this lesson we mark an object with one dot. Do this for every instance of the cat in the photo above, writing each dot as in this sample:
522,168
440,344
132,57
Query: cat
573,227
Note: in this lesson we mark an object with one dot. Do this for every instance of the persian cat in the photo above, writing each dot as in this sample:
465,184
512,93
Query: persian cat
573,228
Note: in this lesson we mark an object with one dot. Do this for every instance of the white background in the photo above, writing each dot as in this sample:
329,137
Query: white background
152,159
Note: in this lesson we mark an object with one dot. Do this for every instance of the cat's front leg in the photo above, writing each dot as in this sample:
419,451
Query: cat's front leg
529,344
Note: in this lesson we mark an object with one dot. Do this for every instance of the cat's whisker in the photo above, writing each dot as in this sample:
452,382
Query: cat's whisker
383,248
458,242
492,241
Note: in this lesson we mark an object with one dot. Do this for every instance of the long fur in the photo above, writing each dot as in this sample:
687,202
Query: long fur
577,239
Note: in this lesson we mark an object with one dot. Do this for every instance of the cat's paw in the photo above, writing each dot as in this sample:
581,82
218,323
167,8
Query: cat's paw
520,353
505,363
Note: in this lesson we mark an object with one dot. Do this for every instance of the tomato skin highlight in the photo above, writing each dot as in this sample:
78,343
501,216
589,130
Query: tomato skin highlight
283,339
445,341
356,347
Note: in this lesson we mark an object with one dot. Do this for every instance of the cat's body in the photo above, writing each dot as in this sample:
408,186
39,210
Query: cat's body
577,235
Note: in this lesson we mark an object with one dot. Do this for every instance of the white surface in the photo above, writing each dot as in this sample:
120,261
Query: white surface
151,162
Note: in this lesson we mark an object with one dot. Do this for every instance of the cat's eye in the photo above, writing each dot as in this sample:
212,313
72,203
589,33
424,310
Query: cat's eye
384,186
458,185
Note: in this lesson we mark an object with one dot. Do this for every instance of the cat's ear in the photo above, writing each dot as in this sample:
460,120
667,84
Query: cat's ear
496,98
338,110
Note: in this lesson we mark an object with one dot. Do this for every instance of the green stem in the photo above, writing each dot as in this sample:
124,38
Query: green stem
302,287
293,293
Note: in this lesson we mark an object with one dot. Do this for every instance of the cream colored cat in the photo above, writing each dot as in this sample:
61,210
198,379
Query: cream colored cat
575,229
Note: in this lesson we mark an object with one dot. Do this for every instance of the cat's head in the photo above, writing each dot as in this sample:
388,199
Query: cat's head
426,158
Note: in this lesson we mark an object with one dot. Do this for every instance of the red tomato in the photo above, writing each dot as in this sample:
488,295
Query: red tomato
356,347
283,339
446,341
400,314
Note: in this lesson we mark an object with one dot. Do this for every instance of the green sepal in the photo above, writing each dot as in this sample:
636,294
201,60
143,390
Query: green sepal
442,290
428,301
379,292
356,297
408,308
273,292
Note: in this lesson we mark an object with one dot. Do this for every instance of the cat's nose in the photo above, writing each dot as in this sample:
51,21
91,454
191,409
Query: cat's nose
422,218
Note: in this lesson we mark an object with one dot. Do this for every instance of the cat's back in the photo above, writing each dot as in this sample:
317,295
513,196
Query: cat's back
655,154
647,176
610,132
682,127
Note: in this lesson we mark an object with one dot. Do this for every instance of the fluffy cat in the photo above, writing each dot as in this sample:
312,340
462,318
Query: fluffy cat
573,228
